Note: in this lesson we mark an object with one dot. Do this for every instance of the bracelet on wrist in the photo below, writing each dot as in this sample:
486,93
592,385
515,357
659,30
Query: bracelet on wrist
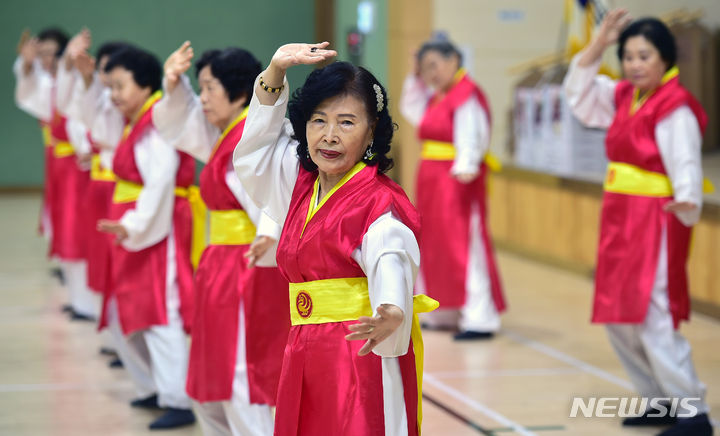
270,89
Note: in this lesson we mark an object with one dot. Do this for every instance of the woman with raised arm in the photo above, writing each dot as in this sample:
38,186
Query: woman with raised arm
653,195
241,322
453,120
348,247
149,307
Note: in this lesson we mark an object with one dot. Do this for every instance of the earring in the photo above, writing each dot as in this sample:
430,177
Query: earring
369,155
307,153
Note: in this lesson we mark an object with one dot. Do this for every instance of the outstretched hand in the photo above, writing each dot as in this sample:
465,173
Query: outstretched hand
301,54
177,64
679,206
258,248
114,228
376,329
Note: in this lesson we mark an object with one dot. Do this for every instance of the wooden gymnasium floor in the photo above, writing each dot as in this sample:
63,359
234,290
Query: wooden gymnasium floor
54,382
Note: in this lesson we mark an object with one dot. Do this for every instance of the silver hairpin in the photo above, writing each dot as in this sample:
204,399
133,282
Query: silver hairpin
378,97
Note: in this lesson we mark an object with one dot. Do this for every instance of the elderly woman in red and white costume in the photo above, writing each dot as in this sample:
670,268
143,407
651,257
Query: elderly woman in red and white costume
453,120
66,180
653,195
241,322
348,247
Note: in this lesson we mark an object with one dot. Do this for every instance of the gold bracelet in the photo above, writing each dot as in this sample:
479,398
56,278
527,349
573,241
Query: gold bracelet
270,89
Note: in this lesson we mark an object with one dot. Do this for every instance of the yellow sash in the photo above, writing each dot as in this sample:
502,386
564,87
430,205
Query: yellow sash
231,227
63,149
97,172
127,192
347,299
438,150
47,138
623,178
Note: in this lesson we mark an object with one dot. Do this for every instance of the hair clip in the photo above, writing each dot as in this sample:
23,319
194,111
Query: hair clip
378,97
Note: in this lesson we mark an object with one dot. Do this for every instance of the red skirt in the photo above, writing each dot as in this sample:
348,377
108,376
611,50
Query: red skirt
69,185
138,277
631,229
327,389
222,281
445,206
99,244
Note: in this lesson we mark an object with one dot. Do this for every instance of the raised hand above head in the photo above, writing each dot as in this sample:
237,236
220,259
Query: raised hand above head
85,64
285,57
177,64
612,26
610,29
78,44
301,54
27,49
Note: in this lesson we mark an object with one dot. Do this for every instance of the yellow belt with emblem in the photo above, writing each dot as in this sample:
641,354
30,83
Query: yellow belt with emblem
100,173
63,149
623,178
231,227
127,192
347,299
439,150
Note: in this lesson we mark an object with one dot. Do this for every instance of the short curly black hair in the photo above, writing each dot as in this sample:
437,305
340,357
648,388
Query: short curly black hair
337,79
235,68
143,65
109,48
654,31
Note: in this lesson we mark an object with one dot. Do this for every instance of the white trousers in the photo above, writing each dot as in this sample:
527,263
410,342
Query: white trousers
82,299
157,358
236,417
655,355
479,312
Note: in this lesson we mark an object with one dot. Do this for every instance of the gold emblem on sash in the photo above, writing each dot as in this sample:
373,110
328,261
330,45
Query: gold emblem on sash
303,304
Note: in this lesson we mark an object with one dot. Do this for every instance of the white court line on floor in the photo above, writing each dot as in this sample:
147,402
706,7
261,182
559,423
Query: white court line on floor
559,355
429,379
506,373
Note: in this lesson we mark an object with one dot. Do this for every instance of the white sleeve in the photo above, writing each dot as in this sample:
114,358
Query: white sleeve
179,118
680,143
591,97
33,91
66,82
77,134
471,137
72,107
151,220
108,123
390,257
96,107
265,159
414,99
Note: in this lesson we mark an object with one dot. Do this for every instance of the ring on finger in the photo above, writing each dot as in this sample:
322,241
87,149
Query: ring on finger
313,50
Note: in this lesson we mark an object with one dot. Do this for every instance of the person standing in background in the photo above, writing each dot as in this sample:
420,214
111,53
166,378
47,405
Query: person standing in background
653,196
453,120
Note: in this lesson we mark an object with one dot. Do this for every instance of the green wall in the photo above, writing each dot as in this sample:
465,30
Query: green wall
157,25
375,55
